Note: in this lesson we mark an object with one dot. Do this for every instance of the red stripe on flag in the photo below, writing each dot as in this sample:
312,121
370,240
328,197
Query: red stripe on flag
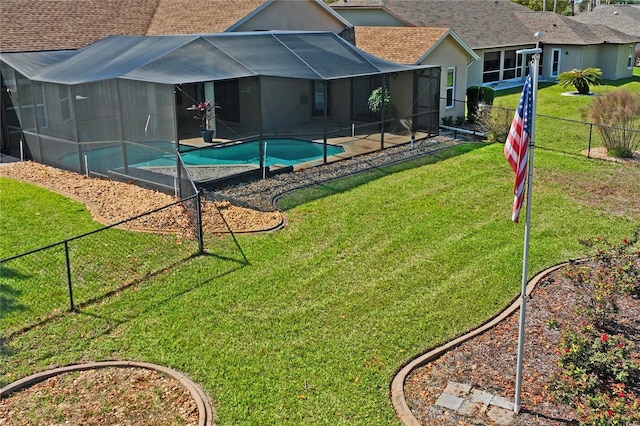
517,144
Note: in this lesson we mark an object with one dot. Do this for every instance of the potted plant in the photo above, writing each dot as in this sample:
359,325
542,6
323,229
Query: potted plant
380,101
581,79
203,114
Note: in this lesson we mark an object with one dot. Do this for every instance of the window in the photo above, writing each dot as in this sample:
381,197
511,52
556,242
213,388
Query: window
451,87
510,64
555,62
491,68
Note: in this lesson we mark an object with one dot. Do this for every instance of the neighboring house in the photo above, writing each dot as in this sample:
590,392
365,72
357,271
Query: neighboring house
568,44
622,17
110,107
496,29
425,46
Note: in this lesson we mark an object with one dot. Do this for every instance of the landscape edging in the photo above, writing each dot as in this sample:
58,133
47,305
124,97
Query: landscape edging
205,407
397,385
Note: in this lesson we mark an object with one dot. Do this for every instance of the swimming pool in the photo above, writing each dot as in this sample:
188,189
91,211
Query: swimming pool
283,152
279,151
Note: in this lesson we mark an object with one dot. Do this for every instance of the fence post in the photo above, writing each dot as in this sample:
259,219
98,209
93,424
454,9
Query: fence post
590,135
199,223
66,255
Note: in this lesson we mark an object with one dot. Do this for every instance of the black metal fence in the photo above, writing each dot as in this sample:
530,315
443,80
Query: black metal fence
85,268
551,133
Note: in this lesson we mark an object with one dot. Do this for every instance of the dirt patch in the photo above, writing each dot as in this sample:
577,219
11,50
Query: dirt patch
104,396
488,361
111,202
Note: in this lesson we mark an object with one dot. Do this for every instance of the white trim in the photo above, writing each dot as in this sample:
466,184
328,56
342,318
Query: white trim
552,62
452,87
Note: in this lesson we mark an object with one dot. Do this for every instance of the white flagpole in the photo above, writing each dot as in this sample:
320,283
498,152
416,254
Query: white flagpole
525,260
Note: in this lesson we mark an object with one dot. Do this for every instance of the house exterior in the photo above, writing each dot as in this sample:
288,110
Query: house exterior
112,108
425,46
495,30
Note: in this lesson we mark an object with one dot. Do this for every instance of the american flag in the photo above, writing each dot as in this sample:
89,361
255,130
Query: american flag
516,146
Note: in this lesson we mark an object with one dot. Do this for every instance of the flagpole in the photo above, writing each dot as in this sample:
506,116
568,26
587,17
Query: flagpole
525,260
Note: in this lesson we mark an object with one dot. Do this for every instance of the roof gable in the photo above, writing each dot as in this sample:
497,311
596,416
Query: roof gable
408,45
199,16
480,23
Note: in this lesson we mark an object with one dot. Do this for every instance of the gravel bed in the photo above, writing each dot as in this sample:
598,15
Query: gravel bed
259,194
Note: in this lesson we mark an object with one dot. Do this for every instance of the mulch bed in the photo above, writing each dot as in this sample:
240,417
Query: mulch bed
104,396
488,361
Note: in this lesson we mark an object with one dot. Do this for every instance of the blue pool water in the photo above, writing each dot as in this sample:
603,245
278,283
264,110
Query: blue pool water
284,152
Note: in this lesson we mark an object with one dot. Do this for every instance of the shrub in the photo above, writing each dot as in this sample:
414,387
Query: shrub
581,79
447,120
597,376
617,116
495,122
460,120
477,95
599,371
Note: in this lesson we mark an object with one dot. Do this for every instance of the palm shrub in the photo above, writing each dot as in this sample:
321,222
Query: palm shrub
581,79
617,118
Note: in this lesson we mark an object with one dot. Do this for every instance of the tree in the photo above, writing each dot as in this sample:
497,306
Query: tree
558,6
581,79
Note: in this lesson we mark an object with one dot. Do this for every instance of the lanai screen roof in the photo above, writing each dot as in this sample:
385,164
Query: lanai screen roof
180,59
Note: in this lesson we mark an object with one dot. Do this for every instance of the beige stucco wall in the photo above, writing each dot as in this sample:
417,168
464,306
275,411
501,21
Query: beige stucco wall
611,59
370,17
450,54
285,101
285,15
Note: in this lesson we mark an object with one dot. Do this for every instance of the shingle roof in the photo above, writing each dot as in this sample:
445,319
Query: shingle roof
399,44
559,29
622,17
29,25
34,25
199,16
480,23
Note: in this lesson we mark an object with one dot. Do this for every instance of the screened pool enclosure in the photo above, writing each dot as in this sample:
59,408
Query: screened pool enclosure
112,108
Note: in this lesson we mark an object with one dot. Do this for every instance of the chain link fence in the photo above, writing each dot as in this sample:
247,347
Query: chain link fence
84,269
553,133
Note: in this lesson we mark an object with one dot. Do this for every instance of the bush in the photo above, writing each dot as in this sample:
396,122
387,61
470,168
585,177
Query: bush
599,372
617,116
495,122
477,95
597,376
581,79
447,120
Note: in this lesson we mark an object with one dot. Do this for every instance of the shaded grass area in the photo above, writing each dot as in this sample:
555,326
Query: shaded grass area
313,327
35,287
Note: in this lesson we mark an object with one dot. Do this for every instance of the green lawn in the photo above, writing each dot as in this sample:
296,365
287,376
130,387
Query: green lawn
365,277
